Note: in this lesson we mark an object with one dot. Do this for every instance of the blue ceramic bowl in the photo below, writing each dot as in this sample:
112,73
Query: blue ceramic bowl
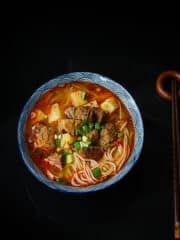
121,92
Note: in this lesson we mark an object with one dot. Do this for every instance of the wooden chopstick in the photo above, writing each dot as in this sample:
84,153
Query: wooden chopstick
173,97
176,158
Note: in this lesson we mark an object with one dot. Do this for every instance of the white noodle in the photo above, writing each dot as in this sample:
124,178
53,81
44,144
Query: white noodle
123,126
120,148
93,162
126,131
108,154
50,175
120,111
123,156
91,175
77,178
73,183
107,168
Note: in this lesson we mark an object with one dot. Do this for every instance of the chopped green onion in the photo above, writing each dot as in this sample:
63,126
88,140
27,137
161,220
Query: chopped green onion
67,158
84,95
106,144
85,144
91,126
74,110
59,180
98,126
79,131
96,172
58,142
77,145
120,135
82,132
65,153
84,138
85,129
84,122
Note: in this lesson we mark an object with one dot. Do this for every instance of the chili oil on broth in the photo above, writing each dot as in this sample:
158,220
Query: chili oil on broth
69,154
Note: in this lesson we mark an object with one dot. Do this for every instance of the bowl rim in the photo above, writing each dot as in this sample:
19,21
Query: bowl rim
106,82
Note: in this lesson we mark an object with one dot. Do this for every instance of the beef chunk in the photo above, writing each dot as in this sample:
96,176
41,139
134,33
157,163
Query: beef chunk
108,134
79,113
68,126
91,114
93,136
97,115
92,152
42,136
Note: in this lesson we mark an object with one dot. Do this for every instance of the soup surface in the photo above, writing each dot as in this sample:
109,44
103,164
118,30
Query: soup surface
79,134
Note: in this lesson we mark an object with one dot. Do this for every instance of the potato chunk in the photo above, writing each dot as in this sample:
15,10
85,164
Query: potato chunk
55,113
109,105
38,116
66,140
92,104
78,98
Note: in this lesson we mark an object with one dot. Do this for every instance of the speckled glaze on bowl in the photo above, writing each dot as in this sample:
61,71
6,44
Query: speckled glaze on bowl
121,92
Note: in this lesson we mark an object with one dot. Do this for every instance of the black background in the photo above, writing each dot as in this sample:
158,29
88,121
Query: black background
35,50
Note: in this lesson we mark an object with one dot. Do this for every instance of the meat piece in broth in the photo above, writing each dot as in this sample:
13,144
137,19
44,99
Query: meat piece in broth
92,152
97,115
78,113
108,134
67,125
43,136
91,114
93,136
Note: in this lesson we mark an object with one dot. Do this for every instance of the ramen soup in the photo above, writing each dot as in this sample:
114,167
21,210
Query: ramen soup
79,134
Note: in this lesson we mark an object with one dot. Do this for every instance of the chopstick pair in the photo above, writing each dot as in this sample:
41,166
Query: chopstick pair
175,139
176,156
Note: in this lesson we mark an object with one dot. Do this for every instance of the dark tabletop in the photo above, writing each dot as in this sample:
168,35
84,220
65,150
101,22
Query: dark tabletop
141,205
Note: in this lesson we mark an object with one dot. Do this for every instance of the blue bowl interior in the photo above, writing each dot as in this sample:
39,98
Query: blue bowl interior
125,97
